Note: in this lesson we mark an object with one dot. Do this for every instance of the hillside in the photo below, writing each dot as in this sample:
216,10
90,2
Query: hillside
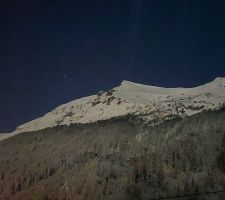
119,158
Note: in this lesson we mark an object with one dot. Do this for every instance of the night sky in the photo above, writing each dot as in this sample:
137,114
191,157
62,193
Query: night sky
54,51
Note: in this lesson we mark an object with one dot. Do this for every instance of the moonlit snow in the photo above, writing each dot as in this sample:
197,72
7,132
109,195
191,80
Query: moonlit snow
152,104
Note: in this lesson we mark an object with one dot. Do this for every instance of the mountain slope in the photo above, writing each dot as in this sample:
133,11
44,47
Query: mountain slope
153,105
120,158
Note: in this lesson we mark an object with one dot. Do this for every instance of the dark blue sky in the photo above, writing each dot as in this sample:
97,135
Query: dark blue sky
54,51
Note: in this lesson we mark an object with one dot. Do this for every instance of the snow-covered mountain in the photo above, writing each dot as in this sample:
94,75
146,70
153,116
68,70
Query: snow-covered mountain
152,104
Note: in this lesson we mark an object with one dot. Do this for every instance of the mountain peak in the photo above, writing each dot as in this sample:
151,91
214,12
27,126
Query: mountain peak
131,84
152,104
217,82
126,82
220,79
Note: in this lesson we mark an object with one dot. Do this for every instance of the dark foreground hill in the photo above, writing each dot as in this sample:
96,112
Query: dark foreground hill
117,159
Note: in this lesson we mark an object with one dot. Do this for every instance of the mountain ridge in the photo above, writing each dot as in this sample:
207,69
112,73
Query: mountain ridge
151,103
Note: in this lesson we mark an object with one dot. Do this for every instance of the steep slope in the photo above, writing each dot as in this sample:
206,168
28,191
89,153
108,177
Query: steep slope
121,158
4,136
153,105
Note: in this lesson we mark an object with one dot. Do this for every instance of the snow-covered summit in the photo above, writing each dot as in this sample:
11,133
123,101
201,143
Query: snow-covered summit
152,104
